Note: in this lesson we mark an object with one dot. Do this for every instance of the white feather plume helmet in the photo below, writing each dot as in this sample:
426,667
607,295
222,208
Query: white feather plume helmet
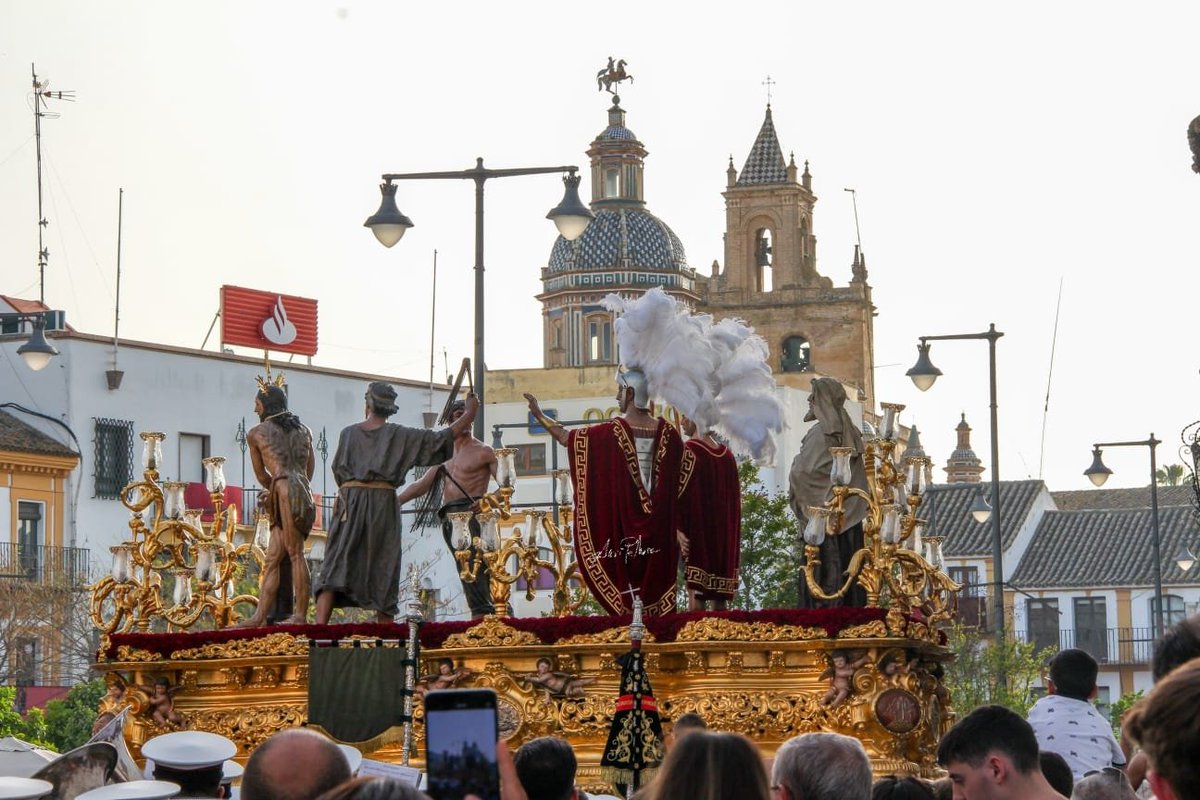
658,335
749,408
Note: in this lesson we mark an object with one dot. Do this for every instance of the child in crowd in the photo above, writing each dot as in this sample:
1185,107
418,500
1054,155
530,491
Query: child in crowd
1066,722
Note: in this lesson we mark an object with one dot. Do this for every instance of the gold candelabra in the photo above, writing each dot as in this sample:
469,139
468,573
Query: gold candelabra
497,552
165,536
899,566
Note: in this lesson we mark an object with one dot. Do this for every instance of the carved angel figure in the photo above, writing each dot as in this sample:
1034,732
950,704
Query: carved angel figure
162,703
557,684
841,669
447,677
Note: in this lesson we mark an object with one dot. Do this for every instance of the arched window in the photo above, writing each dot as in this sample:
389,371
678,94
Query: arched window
599,339
796,356
763,260
1173,612
612,182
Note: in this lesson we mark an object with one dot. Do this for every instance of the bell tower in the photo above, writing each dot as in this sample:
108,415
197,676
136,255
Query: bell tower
770,279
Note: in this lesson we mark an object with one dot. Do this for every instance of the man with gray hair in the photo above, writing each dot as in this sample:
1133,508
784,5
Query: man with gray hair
822,766
626,477
1108,783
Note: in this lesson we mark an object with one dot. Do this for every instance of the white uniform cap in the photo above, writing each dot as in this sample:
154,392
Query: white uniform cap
187,750
353,757
24,788
133,790
231,770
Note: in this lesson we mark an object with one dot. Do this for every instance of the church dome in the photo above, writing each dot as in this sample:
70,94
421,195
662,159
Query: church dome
621,239
616,133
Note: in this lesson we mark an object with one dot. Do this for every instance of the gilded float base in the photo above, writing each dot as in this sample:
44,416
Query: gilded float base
765,680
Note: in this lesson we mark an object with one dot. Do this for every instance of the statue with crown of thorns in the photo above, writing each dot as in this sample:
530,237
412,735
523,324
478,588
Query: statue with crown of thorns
281,452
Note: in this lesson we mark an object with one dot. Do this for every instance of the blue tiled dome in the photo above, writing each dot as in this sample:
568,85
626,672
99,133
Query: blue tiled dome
618,133
618,239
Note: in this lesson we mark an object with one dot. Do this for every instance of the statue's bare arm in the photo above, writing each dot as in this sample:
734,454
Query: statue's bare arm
553,427
419,487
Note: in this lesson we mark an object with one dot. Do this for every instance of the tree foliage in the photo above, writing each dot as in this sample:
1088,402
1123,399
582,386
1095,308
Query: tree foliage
29,728
770,558
1169,475
974,676
69,721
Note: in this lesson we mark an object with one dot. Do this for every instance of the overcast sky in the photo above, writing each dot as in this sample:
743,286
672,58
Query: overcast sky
996,150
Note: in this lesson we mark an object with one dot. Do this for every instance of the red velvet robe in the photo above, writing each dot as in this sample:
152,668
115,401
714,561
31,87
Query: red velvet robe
624,535
710,510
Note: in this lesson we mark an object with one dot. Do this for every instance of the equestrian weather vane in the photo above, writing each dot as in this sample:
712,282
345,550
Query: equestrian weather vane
612,74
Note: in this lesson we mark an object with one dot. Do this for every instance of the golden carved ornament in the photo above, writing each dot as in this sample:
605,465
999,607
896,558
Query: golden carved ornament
127,653
492,632
867,630
718,629
250,725
273,644
608,636
760,714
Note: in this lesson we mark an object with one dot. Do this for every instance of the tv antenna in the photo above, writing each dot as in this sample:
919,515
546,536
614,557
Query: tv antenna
42,94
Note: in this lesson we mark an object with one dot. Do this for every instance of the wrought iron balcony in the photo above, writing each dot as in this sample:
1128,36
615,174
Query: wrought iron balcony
1106,645
63,566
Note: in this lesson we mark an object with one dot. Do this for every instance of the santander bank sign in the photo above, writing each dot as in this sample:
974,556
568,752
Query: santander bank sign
268,320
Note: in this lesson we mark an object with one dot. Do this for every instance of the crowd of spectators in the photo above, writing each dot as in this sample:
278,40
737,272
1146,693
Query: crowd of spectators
1064,749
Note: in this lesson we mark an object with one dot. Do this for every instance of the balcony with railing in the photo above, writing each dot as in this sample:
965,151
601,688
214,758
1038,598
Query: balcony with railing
1113,646
62,566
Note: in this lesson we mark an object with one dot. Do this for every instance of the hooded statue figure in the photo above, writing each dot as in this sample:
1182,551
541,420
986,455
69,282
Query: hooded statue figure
809,484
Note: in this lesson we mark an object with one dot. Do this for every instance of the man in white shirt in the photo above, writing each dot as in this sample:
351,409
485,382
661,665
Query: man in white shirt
1066,722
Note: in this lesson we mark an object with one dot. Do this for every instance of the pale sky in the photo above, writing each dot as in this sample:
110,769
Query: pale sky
996,150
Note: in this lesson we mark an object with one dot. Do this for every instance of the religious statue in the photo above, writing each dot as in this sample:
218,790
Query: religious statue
115,699
841,670
281,452
710,513
626,478
557,684
809,485
447,677
458,484
362,559
161,703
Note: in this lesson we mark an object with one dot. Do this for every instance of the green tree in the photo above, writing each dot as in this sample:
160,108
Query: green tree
770,558
69,721
973,675
1169,475
1118,709
30,728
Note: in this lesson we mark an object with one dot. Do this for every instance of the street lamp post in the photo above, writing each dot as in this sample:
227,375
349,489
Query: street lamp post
923,374
388,224
37,352
1098,473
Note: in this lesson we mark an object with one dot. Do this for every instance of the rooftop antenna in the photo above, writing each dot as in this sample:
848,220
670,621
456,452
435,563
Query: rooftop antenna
115,374
1049,376
854,200
431,415
42,93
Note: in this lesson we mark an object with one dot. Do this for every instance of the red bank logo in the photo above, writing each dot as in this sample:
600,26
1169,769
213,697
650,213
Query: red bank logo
268,320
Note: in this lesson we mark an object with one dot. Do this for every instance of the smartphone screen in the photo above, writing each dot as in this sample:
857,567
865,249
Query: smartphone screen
460,744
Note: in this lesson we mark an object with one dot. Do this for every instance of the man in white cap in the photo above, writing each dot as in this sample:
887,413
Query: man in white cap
193,759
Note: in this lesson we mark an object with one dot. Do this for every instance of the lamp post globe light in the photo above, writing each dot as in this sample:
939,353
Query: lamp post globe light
923,375
389,225
37,352
1185,560
1098,473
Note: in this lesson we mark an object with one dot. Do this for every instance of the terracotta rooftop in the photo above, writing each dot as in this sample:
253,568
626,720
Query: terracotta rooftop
948,509
1116,499
18,437
1100,548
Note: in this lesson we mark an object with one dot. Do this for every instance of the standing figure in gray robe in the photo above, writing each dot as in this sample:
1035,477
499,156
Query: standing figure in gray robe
362,557
809,484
